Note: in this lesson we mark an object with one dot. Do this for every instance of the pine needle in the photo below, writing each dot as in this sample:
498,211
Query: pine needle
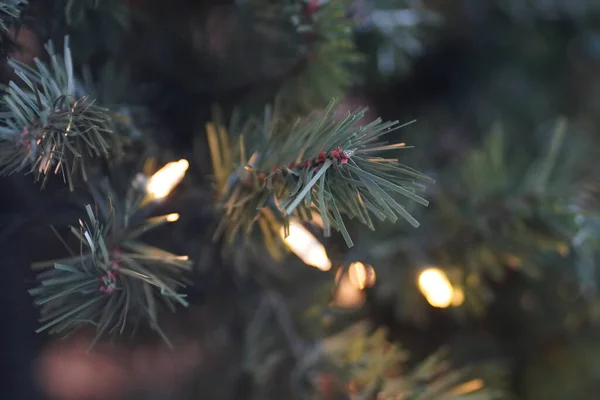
115,277
49,125
319,165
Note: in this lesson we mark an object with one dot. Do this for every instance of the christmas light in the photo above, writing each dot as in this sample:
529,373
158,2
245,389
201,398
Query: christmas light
468,387
436,288
361,276
173,217
458,298
165,179
304,245
351,284
347,295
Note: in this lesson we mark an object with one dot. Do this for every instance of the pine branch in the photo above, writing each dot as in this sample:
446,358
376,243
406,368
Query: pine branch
434,378
372,368
322,34
115,282
49,125
315,166
397,31
497,210
10,10
331,56
76,11
509,210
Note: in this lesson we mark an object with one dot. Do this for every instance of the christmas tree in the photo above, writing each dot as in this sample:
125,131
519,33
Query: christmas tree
234,200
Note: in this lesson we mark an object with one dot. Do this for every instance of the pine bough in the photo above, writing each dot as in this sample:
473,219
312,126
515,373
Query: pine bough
317,165
48,125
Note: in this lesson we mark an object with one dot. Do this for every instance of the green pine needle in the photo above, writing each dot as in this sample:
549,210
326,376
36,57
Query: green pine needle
77,11
10,10
49,125
512,211
318,165
331,56
115,282
367,360
322,35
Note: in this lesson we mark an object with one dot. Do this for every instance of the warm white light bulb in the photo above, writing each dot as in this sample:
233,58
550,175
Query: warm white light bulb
468,387
304,245
165,179
347,294
458,298
361,275
173,217
436,287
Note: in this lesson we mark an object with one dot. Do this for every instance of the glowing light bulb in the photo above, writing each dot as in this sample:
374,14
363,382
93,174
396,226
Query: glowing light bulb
468,387
172,217
347,294
304,245
361,276
436,288
458,298
165,179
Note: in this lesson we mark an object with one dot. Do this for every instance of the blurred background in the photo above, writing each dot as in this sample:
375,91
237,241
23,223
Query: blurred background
502,271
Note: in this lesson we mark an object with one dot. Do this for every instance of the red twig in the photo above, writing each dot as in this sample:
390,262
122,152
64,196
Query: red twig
109,280
338,154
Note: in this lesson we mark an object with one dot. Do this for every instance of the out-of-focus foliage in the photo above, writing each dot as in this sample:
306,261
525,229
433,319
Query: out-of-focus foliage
77,11
374,367
569,369
585,242
95,25
360,362
529,10
494,210
317,37
10,10
331,59
396,30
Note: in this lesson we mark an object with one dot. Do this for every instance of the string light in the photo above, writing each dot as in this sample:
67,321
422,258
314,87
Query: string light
468,387
361,276
173,217
351,284
165,179
458,298
304,245
347,294
436,287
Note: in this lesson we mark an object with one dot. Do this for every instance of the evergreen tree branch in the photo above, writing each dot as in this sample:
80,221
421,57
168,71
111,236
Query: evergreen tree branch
322,33
397,32
115,281
330,58
515,213
10,10
76,11
49,125
372,367
314,166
